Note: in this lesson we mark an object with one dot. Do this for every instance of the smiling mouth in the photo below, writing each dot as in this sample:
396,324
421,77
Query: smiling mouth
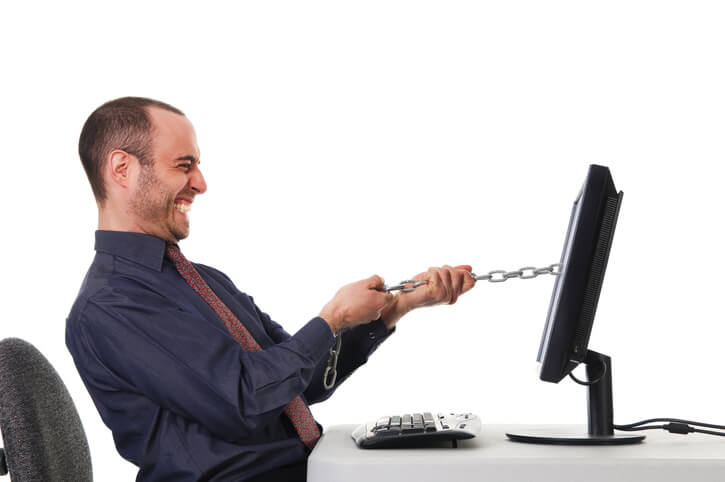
184,208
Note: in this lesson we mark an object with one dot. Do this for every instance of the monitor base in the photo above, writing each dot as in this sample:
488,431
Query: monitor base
575,439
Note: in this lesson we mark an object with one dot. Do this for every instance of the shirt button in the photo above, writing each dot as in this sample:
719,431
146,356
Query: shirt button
371,335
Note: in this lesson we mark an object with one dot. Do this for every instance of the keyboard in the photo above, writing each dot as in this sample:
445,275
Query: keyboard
417,430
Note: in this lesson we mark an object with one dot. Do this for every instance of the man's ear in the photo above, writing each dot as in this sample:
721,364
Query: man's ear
119,167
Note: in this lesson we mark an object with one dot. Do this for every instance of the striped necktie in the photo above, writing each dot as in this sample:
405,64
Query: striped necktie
296,410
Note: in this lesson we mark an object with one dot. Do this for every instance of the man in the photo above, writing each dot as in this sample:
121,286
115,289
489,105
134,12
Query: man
193,379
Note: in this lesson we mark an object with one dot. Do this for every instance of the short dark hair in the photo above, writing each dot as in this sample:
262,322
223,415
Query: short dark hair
122,124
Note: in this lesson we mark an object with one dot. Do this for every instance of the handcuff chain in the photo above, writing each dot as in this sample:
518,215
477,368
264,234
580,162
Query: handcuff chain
332,363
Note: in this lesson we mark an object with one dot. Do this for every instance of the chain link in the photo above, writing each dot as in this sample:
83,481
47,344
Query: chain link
328,380
402,286
408,285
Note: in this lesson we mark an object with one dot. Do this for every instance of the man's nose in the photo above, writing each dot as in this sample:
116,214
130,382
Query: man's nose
197,182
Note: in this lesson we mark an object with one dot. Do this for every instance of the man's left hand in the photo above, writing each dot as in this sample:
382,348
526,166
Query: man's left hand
445,285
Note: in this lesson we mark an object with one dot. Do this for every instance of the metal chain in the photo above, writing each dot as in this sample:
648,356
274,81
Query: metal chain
406,286
527,272
332,363
495,276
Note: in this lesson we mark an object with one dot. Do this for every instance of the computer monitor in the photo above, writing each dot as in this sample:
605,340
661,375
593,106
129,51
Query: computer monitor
564,344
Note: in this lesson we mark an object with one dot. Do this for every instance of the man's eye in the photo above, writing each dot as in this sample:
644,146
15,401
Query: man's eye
184,166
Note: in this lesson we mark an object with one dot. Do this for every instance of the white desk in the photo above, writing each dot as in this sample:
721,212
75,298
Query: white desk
490,456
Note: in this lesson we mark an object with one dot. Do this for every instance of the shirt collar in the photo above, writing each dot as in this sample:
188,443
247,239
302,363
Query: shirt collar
144,249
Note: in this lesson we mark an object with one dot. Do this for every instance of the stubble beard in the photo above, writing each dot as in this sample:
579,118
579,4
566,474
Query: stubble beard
154,206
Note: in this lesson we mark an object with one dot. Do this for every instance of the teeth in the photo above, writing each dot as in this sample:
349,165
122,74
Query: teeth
184,208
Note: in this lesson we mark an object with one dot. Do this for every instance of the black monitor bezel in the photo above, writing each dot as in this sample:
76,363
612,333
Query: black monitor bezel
583,264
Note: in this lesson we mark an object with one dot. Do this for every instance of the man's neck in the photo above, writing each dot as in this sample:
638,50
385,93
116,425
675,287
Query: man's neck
109,219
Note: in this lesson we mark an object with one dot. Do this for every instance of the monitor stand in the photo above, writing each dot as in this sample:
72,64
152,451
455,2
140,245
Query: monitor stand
601,416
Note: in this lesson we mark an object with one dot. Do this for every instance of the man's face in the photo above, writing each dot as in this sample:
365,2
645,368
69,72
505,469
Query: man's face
163,191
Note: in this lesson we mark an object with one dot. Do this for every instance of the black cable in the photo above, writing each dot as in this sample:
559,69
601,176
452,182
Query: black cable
674,425
637,429
709,432
591,382
672,420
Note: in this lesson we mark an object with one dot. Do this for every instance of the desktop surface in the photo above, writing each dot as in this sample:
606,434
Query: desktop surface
491,456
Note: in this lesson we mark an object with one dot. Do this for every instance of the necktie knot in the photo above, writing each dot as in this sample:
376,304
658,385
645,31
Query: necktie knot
174,253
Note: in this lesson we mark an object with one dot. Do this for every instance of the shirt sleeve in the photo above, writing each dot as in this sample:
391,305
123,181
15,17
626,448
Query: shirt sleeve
133,339
358,343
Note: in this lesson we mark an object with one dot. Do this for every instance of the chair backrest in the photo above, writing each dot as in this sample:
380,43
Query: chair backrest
42,432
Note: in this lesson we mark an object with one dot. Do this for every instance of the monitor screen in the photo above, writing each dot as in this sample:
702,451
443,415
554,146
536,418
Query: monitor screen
583,263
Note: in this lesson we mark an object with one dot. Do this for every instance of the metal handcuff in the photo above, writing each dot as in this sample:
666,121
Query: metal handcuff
406,286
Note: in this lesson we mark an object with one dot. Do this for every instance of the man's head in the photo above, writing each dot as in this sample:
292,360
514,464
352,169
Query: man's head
141,158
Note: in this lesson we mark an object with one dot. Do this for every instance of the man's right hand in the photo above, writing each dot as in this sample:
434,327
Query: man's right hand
357,303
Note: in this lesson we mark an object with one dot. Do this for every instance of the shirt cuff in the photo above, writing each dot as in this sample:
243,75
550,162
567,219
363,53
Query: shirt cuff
316,338
366,338
378,330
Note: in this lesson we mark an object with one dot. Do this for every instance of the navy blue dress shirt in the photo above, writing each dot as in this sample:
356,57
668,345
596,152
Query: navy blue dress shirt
183,400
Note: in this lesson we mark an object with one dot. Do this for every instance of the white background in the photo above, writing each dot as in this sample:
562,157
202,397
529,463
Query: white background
343,139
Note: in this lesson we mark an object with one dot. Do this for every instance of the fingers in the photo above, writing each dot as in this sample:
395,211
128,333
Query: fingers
468,282
457,280
445,273
436,287
375,282
449,278
381,298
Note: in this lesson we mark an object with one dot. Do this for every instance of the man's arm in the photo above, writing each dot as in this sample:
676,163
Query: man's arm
445,285
358,343
355,304
189,366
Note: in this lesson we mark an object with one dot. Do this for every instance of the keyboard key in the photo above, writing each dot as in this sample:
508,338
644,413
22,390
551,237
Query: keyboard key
407,421
382,423
393,428
418,423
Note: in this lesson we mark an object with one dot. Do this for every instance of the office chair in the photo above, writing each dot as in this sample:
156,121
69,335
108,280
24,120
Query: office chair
43,436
